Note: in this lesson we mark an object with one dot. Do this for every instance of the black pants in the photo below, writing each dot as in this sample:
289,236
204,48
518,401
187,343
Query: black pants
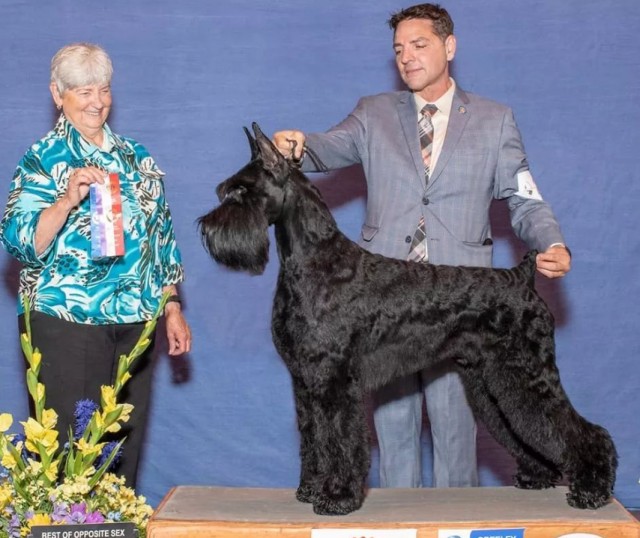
77,359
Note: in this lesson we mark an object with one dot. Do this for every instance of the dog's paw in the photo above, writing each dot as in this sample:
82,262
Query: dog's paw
585,499
325,506
306,493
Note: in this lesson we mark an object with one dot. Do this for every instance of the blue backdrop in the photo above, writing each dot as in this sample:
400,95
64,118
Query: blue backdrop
190,74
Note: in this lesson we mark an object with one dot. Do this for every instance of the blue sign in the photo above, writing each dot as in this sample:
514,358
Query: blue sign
498,533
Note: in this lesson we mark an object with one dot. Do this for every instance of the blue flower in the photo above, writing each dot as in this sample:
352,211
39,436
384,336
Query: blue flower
14,527
60,512
94,517
24,454
106,452
78,513
83,413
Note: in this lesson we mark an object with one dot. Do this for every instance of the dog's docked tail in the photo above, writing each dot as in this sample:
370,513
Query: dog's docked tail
526,269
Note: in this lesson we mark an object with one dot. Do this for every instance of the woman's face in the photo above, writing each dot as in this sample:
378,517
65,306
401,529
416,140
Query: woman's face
86,107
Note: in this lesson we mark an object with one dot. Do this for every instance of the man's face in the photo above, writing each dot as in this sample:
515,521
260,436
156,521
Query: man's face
423,58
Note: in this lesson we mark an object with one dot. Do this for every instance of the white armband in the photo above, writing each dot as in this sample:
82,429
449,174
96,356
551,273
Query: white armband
527,188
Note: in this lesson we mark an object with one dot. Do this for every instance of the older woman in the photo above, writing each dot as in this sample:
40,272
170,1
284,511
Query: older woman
88,310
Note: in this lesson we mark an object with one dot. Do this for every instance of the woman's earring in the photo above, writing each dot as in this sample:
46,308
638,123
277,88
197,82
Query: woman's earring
59,107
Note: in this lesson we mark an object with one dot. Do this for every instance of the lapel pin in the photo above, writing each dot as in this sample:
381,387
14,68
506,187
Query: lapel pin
462,109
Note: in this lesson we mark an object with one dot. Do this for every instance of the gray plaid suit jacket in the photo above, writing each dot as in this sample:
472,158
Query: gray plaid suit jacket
480,160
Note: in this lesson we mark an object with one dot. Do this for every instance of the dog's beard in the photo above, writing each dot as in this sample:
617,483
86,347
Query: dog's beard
236,235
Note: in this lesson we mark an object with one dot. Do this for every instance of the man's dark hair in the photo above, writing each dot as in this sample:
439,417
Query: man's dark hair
440,18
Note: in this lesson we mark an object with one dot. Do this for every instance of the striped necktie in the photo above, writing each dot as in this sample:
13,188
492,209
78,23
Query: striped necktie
418,250
425,130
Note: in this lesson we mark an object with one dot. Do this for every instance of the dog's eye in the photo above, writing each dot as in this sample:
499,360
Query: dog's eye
235,195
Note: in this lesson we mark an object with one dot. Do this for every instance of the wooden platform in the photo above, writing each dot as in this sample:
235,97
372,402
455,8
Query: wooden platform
212,512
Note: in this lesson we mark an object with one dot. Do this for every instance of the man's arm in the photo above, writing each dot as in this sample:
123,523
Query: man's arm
340,146
532,219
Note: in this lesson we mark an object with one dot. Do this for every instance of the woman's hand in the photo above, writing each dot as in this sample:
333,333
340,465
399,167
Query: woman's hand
53,218
178,331
79,181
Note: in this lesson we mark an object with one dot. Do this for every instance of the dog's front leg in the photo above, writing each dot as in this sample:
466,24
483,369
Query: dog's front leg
342,445
310,479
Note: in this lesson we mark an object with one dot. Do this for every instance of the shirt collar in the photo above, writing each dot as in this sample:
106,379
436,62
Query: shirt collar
443,103
81,147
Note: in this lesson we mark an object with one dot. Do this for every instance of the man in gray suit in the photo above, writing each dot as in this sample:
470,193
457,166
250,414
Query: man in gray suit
432,176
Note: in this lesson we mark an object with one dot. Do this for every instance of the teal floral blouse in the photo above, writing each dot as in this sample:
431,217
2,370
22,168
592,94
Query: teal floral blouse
64,281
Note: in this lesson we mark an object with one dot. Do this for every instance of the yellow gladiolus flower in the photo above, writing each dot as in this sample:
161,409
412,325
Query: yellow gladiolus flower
88,449
52,471
5,495
121,413
126,412
47,475
40,392
8,461
5,422
108,398
99,420
114,428
34,467
49,418
35,432
32,428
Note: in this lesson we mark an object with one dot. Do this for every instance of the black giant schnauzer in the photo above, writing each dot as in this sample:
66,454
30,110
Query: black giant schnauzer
346,321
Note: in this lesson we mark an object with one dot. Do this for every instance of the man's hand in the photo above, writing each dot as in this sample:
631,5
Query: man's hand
555,262
289,143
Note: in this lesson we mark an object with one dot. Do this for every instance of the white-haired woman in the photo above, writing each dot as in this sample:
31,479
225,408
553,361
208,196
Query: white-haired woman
89,308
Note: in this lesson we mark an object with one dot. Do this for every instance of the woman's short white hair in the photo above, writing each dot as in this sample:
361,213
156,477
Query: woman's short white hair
80,64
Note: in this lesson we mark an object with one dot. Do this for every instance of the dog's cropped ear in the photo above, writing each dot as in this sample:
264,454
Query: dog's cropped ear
252,143
271,158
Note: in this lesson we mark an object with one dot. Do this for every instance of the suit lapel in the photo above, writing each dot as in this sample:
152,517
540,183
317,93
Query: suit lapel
409,121
458,119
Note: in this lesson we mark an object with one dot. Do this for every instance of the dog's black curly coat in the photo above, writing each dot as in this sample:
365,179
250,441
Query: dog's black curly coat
346,321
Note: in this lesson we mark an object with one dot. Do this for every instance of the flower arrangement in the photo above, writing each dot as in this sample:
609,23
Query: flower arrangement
43,484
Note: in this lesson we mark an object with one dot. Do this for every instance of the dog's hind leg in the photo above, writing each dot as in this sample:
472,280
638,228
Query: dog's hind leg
591,462
534,472
526,387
